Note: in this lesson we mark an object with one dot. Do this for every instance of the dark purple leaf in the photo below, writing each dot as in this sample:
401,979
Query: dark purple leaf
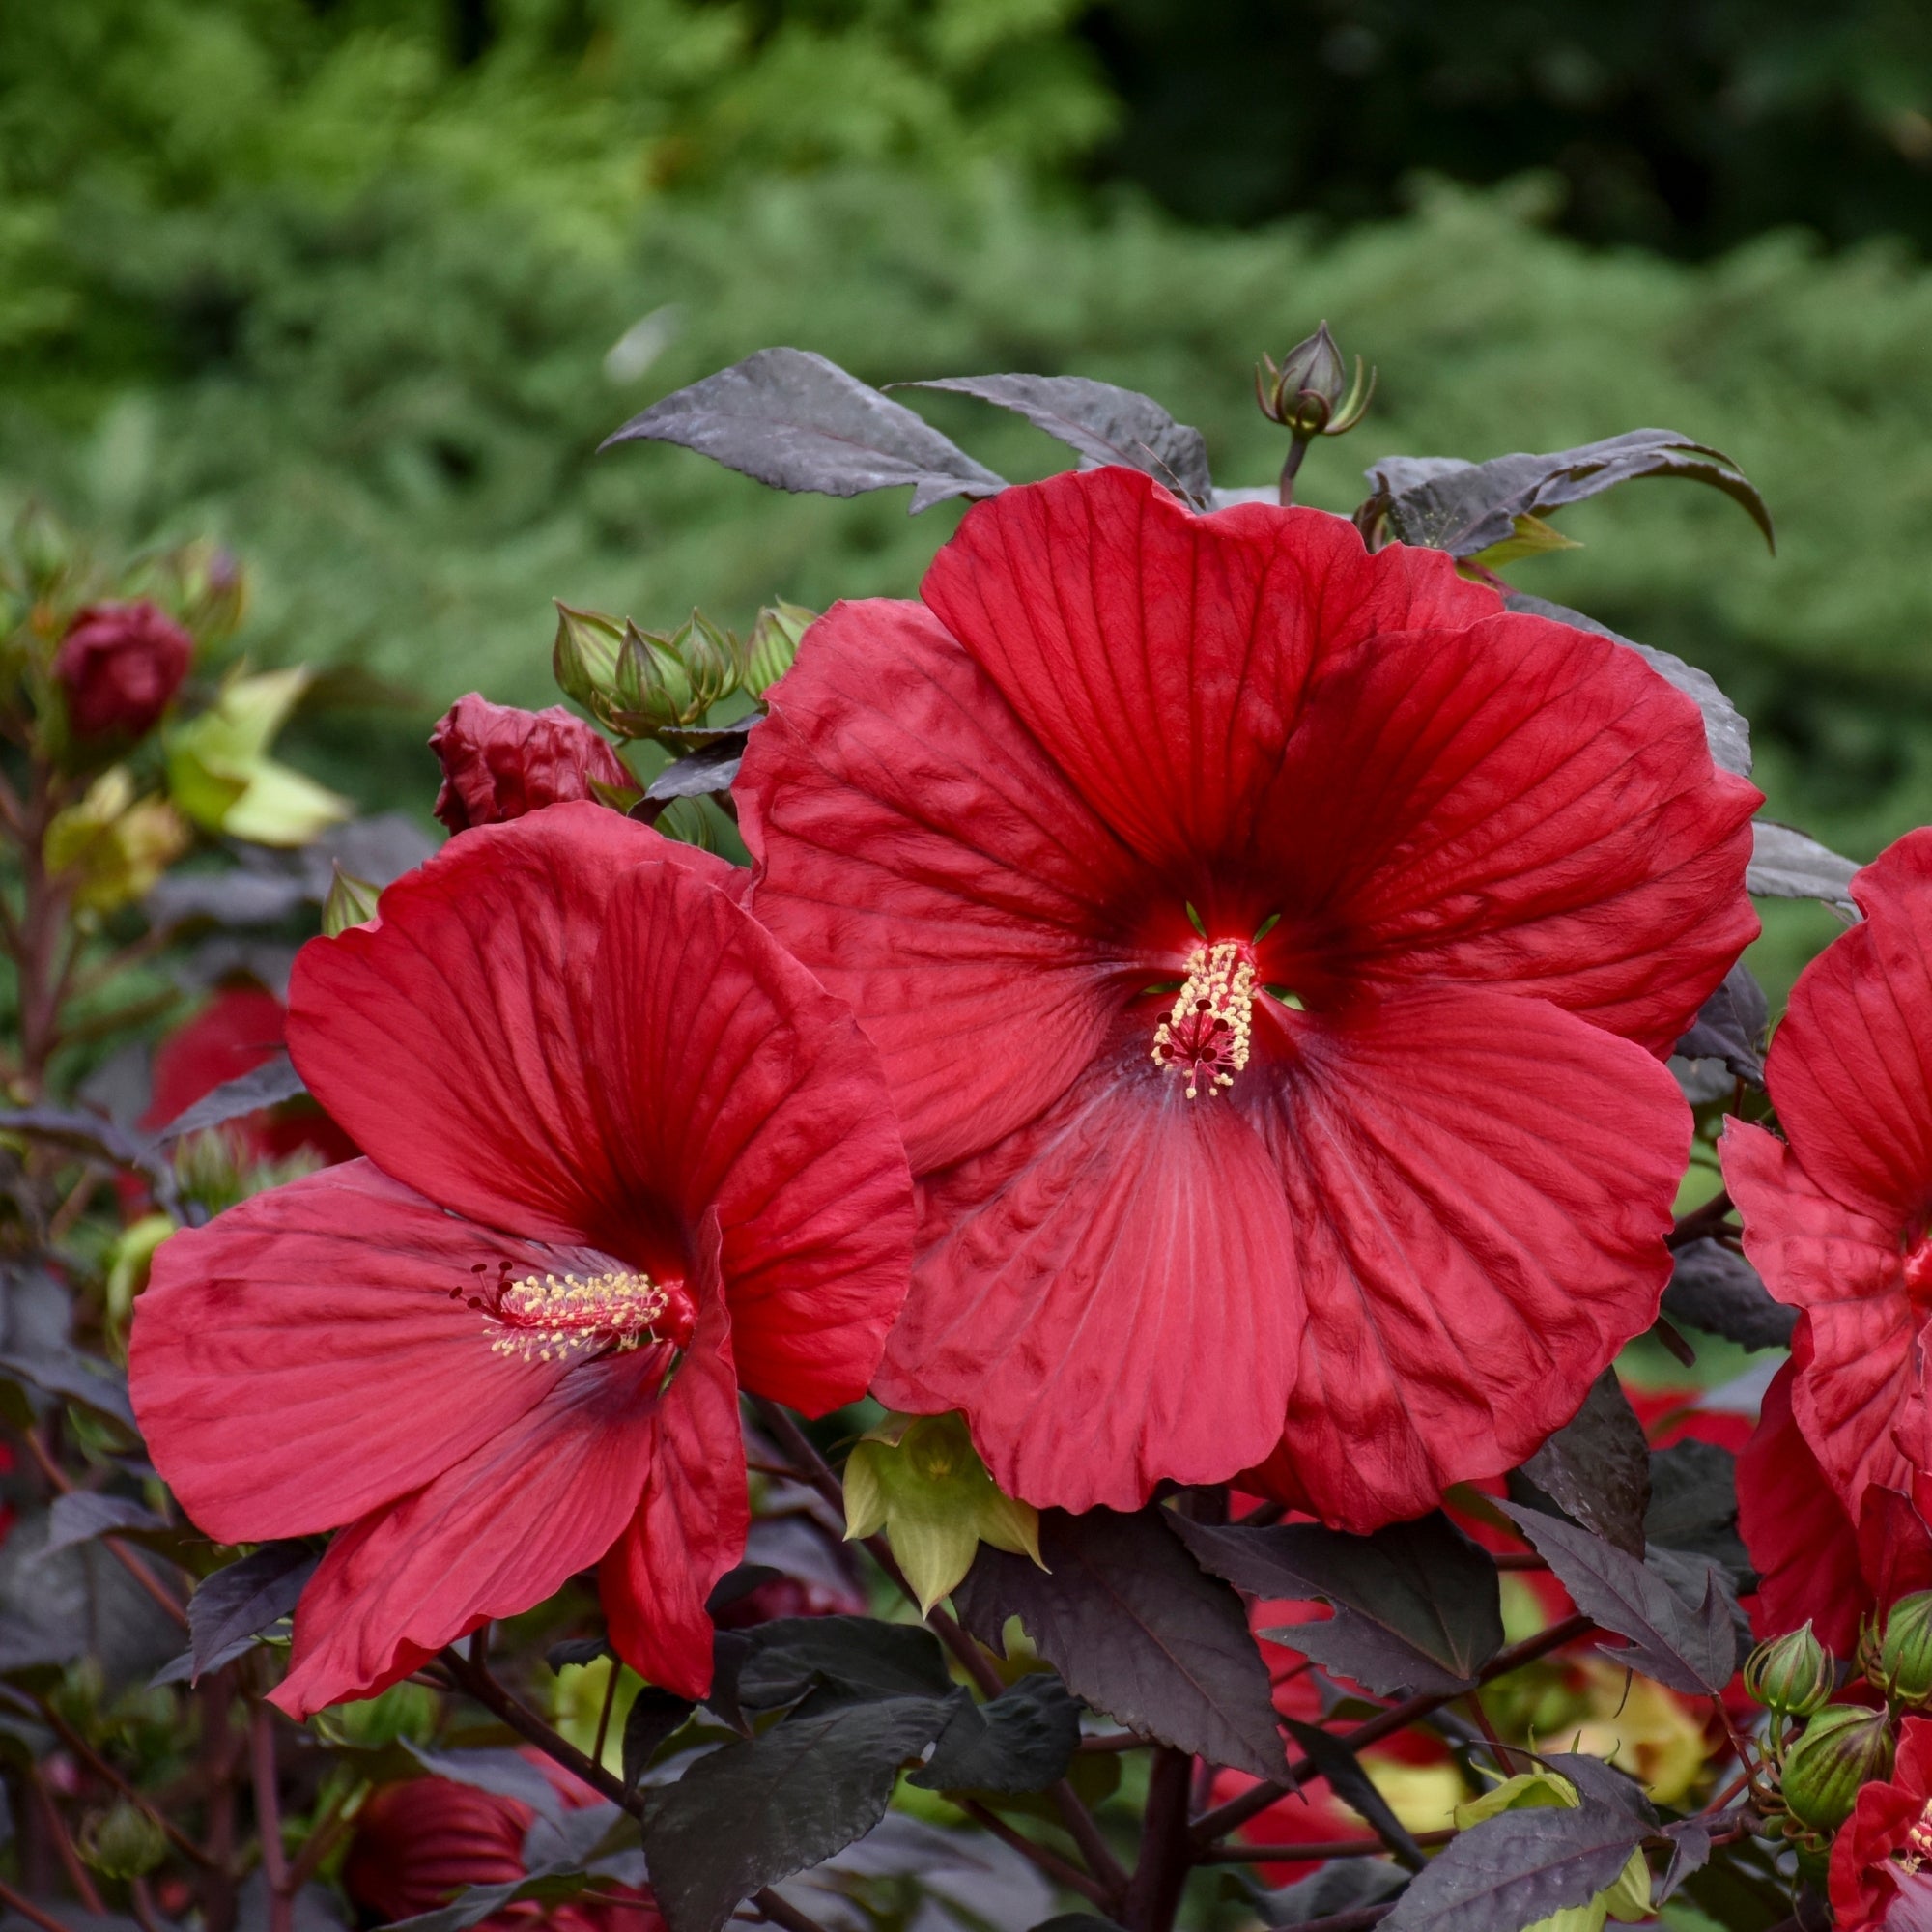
1787,864
1355,1787
576,1650
1417,1607
1597,1466
1137,1629
1466,507
1725,731
247,1597
710,768
96,1138
839,1659
1730,1026
242,895
1686,1644
753,1812
1342,1885
1694,1504
654,1717
1601,1784
1714,1288
1517,1868
73,1377
503,1774
1022,1741
82,1515
265,1086
1103,423
478,1902
1690,1852
791,419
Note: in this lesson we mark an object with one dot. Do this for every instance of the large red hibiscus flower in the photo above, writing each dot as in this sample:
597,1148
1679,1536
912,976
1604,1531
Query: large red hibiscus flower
1835,1215
624,1155
1882,1859
1270,946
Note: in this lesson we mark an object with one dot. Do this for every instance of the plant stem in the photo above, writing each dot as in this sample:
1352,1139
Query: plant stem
1700,1221
1166,1850
1050,1863
269,1817
604,1716
13,1901
62,1483
76,1872
1291,467
1320,1848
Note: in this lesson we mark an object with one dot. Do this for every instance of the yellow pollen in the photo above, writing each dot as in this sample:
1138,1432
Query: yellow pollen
1207,1034
547,1318
1918,1841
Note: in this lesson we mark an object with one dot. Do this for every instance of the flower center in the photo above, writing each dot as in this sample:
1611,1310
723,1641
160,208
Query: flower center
1917,1846
1205,1040
549,1318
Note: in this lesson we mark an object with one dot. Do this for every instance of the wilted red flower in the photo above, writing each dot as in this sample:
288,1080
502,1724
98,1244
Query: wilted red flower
1835,1214
238,1030
120,664
418,1844
1881,1877
499,762
1816,1562
619,1143
1270,946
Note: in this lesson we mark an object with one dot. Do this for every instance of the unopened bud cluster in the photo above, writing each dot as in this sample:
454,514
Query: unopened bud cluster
1309,391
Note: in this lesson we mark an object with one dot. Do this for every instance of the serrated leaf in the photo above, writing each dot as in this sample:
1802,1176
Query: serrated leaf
1694,1504
267,1085
1597,1466
245,1598
73,1377
1687,1646
795,422
1716,1290
96,1138
1103,423
503,1774
478,1902
1725,731
1342,1885
791,1797
576,1650
1787,864
1355,1787
1466,507
1418,1605
1136,1629
710,768
1022,1741
1690,1852
1517,1869
839,1659
1730,1026
655,1714
82,1515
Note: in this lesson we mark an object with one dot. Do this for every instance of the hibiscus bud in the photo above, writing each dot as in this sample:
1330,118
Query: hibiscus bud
583,660
1792,1674
123,1843
1309,393
120,664
349,903
215,591
652,692
499,762
110,846
1844,1747
1905,1652
773,646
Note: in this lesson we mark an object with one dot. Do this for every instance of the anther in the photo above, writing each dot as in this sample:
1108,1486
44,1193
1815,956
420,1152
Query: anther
548,1318
1207,1034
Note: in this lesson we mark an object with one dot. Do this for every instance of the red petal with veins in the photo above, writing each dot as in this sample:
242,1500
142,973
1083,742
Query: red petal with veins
1866,1877
689,1527
450,1035
308,1355
732,1080
1109,1295
1853,1342
930,863
1162,656
1479,1188
494,1535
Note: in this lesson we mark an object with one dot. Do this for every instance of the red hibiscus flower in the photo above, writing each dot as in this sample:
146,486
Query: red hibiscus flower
1815,1561
239,1028
120,665
619,1144
1835,1214
1882,1859
419,1843
499,762
1270,945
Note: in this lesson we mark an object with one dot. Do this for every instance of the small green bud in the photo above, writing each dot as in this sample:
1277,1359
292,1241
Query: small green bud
773,646
1843,1749
1904,1651
712,658
349,903
1794,1674
583,660
123,1843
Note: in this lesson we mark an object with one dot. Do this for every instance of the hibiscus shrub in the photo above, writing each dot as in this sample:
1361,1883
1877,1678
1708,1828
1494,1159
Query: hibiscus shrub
1099,1249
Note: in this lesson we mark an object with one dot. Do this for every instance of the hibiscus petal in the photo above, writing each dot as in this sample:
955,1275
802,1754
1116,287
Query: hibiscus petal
1800,1541
922,854
491,1537
1160,656
1844,1269
1849,1070
1109,1294
309,1355
449,1036
734,1080
1479,1188
689,1528
1528,808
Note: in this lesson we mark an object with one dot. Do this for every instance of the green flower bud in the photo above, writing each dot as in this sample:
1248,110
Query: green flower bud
123,1843
1844,1747
1794,1674
583,660
773,646
1904,1651
349,903
712,660
1309,393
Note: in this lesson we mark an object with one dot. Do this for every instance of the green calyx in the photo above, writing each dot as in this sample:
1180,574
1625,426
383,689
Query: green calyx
1793,1675
1843,1749
920,1479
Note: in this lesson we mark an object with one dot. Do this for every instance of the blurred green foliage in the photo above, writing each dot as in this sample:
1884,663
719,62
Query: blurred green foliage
362,300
